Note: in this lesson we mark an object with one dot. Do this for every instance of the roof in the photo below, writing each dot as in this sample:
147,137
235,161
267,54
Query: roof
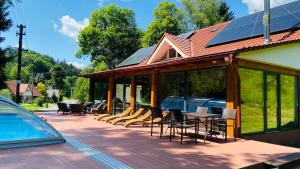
194,45
23,87
137,57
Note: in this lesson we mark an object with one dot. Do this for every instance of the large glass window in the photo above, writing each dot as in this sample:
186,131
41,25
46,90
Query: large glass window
143,90
268,101
171,90
204,85
121,94
100,91
188,90
288,101
252,117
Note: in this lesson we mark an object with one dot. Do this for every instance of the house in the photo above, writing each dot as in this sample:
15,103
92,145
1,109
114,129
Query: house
27,91
229,62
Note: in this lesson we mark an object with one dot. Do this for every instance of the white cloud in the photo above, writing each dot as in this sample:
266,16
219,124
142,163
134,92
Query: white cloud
70,27
78,65
258,5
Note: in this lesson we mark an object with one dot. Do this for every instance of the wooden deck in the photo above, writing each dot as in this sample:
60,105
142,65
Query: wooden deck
136,148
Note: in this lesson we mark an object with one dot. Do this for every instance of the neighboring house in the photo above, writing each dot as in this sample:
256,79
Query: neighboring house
229,62
27,91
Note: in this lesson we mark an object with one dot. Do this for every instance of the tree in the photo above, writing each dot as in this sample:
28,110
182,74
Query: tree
204,13
225,12
111,36
167,18
5,24
57,76
41,87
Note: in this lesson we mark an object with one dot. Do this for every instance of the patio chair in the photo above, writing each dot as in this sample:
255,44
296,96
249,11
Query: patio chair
124,114
140,119
99,108
88,106
138,113
222,123
77,109
156,118
177,120
63,107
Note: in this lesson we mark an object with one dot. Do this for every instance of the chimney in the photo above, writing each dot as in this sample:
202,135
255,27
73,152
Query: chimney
266,22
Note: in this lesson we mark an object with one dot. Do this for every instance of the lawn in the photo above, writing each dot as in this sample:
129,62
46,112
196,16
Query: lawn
34,107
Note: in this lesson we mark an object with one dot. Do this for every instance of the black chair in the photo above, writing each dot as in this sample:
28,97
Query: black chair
177,120
62,107
156,112
77,109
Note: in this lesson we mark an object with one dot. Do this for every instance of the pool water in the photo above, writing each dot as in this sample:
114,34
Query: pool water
14,127
20,128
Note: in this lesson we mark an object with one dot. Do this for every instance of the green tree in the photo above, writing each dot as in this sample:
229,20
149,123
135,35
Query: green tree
57,76
41,87
204,13
225,12
167,18
5,24
111,36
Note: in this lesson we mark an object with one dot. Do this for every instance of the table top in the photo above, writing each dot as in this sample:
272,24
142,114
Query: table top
200,115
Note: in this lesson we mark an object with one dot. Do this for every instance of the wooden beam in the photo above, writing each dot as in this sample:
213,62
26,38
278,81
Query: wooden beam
110,95
132,93
267,67
154,88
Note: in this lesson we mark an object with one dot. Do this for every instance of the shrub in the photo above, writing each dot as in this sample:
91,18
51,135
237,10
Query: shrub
54,98
6,93
39,101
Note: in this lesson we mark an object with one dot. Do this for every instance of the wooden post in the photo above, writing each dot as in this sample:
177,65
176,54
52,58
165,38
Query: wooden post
132,93
153,88
233,95
110,94
92,90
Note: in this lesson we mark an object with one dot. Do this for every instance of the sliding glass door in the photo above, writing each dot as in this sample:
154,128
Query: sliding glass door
271,102
268,101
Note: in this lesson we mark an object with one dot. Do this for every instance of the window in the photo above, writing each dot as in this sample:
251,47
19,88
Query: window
143,90
188,90
268,101
288,101
171,89
122,95
252,116
100,92
204,85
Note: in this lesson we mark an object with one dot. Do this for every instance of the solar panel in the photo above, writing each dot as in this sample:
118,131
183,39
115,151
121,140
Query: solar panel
137,57
282,18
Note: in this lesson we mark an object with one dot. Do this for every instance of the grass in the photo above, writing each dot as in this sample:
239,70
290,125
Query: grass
33,107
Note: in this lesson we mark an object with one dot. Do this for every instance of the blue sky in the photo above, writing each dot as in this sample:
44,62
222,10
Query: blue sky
52,25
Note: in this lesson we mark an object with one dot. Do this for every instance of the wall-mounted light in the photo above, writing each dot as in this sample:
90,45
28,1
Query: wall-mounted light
214,62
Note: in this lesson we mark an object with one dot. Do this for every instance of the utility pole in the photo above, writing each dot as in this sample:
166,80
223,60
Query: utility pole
20,50
266,21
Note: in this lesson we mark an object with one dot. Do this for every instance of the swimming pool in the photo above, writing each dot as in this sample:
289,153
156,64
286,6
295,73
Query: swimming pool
20,128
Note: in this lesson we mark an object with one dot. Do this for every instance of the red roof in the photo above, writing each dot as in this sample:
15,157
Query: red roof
23,87
196,45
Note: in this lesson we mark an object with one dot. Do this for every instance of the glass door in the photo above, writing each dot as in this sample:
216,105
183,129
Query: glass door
271,102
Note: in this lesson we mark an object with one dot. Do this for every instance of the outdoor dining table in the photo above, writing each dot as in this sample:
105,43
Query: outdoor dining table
197,117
